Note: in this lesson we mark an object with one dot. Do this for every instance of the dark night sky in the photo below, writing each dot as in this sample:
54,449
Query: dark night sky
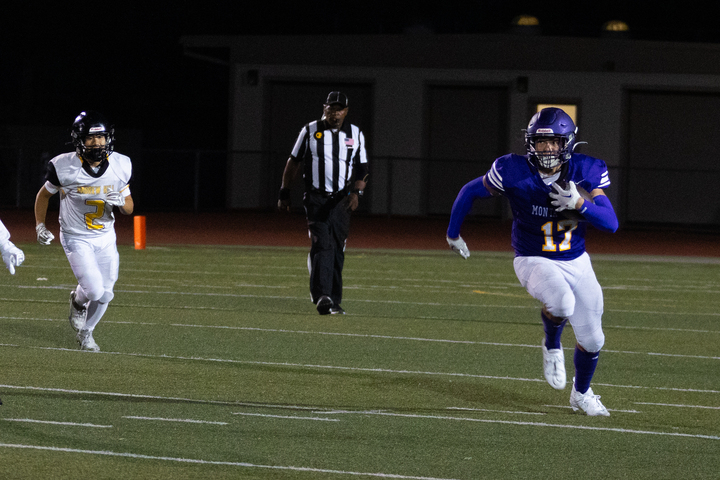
127,62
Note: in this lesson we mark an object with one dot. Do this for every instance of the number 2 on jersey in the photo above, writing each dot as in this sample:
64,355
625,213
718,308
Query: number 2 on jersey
564,225
91,216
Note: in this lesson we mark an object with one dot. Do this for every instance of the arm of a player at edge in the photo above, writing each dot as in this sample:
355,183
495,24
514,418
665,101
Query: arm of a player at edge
463,203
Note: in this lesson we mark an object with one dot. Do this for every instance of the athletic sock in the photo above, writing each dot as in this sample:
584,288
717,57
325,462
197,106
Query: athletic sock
585,363
95,311
553,331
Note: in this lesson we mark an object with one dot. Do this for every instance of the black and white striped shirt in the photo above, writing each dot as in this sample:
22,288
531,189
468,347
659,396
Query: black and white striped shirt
330,156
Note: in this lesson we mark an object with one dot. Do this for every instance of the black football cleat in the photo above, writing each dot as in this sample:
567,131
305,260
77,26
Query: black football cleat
324,305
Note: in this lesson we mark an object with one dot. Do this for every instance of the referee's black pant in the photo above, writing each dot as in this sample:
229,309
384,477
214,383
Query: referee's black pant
328,219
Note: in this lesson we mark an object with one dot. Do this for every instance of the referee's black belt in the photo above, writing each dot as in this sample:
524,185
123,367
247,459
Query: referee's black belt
341,193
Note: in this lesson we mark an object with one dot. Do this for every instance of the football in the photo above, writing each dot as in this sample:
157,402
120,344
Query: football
574,214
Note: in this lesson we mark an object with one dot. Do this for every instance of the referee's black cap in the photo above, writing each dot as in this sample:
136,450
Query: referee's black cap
337,98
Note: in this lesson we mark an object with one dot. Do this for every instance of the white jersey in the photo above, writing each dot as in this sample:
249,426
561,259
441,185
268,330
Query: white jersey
4,234
82,191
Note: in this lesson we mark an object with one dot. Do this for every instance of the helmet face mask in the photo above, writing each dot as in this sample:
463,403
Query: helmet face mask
550,123
89,124
548,158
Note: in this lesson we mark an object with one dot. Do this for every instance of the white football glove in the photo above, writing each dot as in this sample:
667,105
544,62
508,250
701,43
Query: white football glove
12,256
458,246
44,236
115,199
565,199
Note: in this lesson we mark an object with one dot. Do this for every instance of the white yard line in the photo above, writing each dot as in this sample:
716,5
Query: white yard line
212,462
373,412
287,417
609,409
182,420
364,369
401,338
676,405
421,339
117,394
305,298
532,424
358,335
495,411
71,424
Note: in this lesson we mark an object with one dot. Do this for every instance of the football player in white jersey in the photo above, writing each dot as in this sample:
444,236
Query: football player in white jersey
92,180
11,255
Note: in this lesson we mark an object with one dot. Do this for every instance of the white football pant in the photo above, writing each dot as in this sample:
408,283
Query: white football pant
568,289
95,262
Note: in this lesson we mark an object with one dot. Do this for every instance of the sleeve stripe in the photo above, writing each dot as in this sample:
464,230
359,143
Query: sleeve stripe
495,179
604,180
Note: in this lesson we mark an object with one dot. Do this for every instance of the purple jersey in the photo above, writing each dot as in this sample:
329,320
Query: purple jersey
538,230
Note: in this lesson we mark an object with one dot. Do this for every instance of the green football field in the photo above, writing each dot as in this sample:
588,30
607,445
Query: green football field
215,364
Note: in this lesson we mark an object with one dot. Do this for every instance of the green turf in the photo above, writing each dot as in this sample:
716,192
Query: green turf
435,372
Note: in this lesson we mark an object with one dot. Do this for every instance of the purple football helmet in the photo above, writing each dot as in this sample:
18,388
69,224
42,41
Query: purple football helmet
555,123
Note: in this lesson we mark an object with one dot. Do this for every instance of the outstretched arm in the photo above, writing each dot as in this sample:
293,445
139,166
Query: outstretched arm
478,188
464,201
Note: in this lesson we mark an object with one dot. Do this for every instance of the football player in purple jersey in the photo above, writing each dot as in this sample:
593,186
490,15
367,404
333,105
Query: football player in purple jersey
553,193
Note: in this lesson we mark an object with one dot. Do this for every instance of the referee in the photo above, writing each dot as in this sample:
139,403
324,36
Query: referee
334,154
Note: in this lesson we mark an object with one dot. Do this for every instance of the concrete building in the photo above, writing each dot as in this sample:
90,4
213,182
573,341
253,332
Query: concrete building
438,109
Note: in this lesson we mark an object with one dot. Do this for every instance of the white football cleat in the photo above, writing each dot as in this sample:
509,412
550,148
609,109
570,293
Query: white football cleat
86,341
554,366
588,402
77,316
